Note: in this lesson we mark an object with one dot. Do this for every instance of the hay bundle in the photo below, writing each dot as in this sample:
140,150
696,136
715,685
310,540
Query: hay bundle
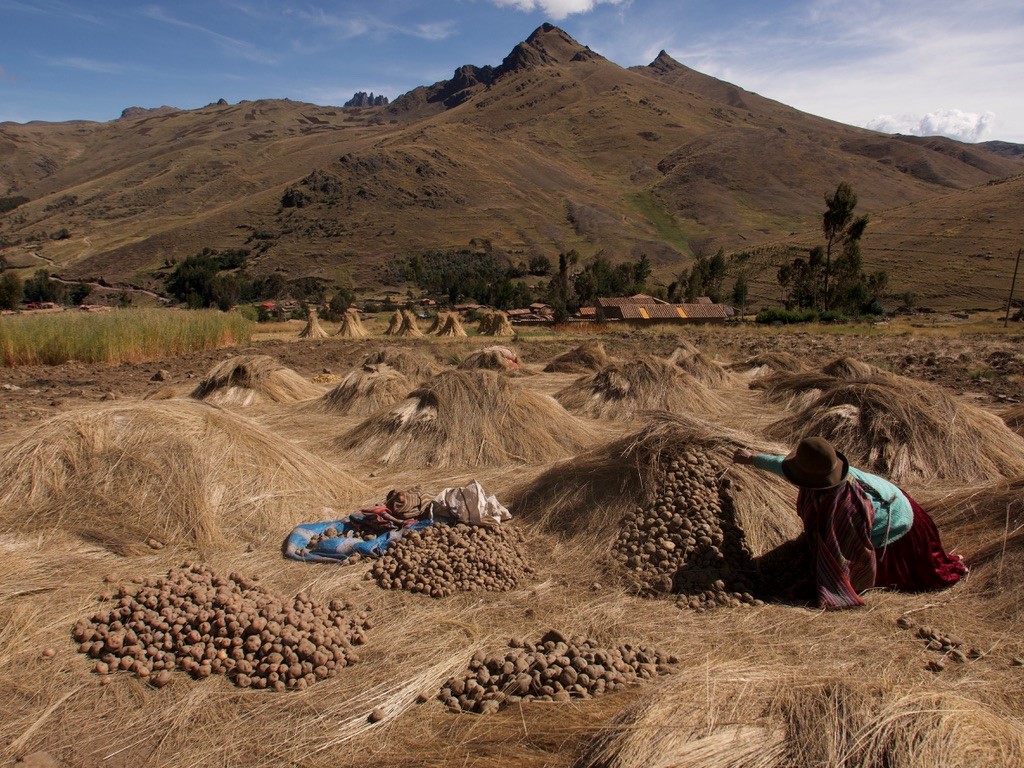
593,493
700,366
648,383
352,326
452,327
313,329
486,323
494,358
443,559
563,669
763,723
1014,419
768,363
253,379
501,326
408,326
468,418
851,368
438,323
365,390
179,471
909,430
587,357
180,637
394,324
793,389
413,363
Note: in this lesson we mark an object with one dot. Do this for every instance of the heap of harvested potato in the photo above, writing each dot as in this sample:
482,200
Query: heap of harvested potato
201,623
554,669
443,559
687,541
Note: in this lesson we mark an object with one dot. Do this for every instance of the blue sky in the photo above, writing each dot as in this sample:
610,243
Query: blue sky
914,66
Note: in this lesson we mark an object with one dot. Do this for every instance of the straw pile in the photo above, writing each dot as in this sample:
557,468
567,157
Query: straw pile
443,559
556,669
452,327
1014,419
494,358
587,357
394,324
495,324
768,363
468,418
908,430
700,366
437,323
180,472
413,363
365,390
648,383
352,326
595,492
203,624
251,380
756,723
487,319
313,329
408,326
687,541
851,368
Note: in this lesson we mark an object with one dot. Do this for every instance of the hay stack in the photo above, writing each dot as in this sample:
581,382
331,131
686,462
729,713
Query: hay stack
587,357
438,323
593,493
768,363
313,329
648,383
907,430
182,472
352,326
850,368
500,325
408,327
253,379
700,366
452,327
395,324
493,358
365,390
413,363
486,323
468,419
1014,419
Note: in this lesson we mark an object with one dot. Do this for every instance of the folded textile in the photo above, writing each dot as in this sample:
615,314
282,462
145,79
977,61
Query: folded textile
300,544
469,504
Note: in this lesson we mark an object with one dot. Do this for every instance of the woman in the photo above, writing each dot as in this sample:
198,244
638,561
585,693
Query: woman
862,530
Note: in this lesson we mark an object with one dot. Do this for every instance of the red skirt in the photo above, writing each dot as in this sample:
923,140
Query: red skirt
916,562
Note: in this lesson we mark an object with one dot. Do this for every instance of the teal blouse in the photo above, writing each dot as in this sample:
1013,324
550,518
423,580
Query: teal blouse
893,513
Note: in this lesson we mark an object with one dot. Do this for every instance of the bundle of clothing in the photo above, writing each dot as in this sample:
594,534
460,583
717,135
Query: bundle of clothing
369,531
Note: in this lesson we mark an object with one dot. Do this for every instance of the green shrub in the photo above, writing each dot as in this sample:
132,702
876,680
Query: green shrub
786,316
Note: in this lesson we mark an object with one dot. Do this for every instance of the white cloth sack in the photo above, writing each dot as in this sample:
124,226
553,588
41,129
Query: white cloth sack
471,504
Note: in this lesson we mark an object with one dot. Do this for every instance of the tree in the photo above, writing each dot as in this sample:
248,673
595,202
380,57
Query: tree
840,229
739,292
39,288
540,265
10,290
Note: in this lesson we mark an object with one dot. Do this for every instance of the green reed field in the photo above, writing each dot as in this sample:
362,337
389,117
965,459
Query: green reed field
117,336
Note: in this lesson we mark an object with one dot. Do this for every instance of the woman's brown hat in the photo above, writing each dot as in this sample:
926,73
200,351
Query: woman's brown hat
814,463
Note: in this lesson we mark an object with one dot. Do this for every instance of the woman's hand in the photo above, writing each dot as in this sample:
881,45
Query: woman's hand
743,456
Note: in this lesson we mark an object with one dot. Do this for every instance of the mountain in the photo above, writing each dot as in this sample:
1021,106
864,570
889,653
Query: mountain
554,148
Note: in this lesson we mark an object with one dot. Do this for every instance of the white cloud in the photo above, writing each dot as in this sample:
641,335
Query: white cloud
954,123
86,65
230,45
350,26
556,9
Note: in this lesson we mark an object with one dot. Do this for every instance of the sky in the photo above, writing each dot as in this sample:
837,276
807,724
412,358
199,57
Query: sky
910,66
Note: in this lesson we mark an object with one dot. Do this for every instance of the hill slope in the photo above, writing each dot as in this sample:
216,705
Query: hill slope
554,148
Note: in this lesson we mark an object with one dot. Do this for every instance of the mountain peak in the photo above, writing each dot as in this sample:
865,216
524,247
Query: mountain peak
547,44
665,63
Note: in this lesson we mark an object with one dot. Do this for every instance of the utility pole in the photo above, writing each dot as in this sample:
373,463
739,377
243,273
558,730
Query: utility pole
1013,284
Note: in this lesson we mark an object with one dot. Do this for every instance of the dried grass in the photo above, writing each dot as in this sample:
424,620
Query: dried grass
468,419
851,368
487,319
590,356
409,326
365,390
590,493
184,472
648,383
768,363
437,323
394,324
700,366
452,327
413,363
313,329
908,430
352,326
494,358
1014,419
253,379
495,324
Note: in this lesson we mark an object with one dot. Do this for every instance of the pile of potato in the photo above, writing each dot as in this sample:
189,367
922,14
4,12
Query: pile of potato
443,559
554,669
687,542
201,623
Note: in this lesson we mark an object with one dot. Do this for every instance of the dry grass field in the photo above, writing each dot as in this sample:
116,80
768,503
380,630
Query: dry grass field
107,476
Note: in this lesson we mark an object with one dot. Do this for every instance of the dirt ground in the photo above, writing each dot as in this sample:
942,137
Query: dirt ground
736,664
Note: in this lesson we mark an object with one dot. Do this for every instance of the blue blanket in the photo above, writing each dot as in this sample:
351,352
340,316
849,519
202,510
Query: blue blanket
339,549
